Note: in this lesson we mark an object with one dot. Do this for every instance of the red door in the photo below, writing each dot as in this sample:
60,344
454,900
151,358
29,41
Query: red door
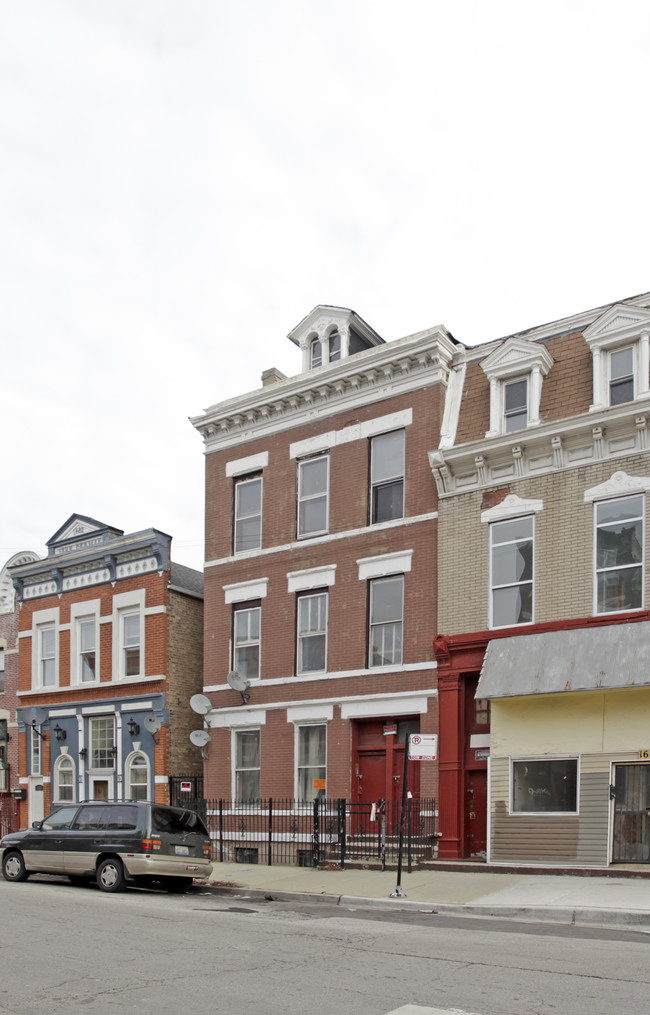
476,814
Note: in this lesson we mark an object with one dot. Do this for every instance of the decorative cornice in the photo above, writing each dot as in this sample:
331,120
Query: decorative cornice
383,372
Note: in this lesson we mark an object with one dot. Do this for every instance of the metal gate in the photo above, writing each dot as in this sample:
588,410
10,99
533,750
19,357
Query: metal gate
632,814
187,791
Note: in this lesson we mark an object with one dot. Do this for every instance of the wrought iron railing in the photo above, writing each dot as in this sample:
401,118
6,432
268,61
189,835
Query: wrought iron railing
317,832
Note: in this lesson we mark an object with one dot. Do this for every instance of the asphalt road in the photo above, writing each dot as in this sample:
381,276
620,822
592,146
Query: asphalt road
70,949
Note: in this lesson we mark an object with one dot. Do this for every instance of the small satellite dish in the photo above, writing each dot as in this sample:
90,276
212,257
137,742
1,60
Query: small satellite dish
152,723
199,703
237,681
200,738
38,716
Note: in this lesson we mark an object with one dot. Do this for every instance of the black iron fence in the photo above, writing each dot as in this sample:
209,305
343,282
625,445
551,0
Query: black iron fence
187,791
313,833
9,814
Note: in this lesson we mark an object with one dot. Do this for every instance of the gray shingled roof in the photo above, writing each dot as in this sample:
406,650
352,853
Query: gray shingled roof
186,579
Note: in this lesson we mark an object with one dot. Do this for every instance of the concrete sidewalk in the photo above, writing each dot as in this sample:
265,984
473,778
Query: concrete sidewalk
595,901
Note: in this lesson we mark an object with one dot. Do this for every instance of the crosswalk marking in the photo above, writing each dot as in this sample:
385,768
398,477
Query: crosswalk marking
417,1009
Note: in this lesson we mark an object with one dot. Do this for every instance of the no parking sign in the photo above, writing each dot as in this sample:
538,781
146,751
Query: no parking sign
423,747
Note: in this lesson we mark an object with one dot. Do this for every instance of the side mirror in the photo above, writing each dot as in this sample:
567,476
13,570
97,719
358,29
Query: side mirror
37,825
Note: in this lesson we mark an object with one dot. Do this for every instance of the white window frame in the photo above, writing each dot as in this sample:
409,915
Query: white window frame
633,375
236,733
80,614
93,725
35,753
3,658
64,761
493,528
240,483
299,727
43,620
129,765
247,643
125,604
621,326
621,567
386,481
523,410
305,499
513,360
541,814
308,598
372,626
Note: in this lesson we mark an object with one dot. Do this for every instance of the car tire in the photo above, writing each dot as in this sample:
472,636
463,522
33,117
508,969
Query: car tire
13,867
177,884
110,875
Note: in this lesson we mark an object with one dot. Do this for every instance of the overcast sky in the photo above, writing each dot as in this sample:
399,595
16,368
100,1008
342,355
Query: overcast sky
181,181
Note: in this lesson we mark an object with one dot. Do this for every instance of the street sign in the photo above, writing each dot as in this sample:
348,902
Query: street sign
186,787
423,747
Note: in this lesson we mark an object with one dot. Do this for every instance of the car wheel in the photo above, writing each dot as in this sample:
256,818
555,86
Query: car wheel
110,876
13,867
179,885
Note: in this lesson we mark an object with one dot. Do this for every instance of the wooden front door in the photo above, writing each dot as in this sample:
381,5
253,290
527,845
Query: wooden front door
476,814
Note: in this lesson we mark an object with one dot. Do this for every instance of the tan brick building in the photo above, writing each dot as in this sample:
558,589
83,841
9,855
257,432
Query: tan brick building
543,472
320,590
110,653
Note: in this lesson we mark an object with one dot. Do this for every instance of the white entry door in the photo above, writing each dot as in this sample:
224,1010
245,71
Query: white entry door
35,798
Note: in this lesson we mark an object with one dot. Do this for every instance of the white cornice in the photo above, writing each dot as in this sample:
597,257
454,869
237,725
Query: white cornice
569,443
386,371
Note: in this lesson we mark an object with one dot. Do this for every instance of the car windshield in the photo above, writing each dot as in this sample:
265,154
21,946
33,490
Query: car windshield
174,820
59,819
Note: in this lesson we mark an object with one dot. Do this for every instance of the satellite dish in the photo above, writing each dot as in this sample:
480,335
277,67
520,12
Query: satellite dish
237,681
152,723
200,738
199,703
38,716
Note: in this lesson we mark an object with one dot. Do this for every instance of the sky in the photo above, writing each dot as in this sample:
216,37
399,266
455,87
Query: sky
181,181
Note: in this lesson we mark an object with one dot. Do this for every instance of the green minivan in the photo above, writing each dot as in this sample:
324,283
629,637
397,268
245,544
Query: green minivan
114,844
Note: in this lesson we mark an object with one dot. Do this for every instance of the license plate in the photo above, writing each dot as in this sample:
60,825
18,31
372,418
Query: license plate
182,850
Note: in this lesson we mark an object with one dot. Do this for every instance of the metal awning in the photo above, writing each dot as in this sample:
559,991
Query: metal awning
583,659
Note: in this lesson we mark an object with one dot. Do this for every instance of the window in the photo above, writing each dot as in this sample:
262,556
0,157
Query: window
246,637
2,670
313,496
312,633
86,640
36,753
511,572
387,476
47,655
386,620
515,404
247,766
545,786
137,778
619,554
130,644
316,353
248,514
621,375
325,351
334,346
64,782
312,762
4,779
102,743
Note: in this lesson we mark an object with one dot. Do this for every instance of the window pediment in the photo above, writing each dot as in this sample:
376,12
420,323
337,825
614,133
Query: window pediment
514,359
618,327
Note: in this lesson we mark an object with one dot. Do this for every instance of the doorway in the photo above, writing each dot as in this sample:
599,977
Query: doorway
631,814
476,814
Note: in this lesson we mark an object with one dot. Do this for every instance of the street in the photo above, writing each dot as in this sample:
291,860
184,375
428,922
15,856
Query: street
73,949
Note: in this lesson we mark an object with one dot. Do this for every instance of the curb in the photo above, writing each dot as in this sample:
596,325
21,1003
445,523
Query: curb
627,919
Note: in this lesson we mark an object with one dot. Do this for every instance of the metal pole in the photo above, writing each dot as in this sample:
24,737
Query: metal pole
269,856
398,893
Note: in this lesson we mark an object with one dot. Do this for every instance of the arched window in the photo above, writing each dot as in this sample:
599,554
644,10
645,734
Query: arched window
64,780
316,353
334,346
137,777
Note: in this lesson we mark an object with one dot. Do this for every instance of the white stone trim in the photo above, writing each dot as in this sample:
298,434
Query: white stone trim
241,592
236,718
242,466
311,578
619,485
370,427
385,563
397,705
620,325
310,713
512,506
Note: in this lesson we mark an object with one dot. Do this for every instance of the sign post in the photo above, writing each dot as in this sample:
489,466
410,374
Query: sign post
418,747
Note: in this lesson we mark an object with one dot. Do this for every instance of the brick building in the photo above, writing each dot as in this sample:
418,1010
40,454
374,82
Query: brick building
543,476
320,588
110,652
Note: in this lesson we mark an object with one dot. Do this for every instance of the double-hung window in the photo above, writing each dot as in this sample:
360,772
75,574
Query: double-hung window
311,762
312,633
386,621
87,639
515,404
247,766
511,571
248,514
102,743
387,459
4,781
2,670
47,655
246,640
64,781
619,554
621,375
131,643
313,496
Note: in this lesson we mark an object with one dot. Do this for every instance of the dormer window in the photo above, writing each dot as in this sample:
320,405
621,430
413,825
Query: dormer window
334,346
515,404
515,371
316,353
621,375
329,334
326,351
620,349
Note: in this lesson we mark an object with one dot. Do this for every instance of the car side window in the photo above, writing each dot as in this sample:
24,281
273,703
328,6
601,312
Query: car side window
90,818
59,819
